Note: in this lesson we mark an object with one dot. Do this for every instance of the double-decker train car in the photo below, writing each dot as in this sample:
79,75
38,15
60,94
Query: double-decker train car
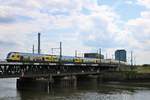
46,58
90,60
67,59
29,57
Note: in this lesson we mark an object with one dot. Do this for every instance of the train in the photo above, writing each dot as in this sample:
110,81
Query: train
47,58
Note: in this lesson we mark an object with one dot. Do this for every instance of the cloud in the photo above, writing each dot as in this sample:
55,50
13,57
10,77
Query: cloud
140,30
61,16
7,44
19,20
145,3
82,25
129,2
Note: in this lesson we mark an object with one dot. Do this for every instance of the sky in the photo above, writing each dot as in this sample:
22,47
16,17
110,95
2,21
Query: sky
82,25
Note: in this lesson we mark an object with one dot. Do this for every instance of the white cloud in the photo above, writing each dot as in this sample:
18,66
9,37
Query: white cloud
140,27
145,3
139,39
41,19
79,24
100,22
141,57
130,2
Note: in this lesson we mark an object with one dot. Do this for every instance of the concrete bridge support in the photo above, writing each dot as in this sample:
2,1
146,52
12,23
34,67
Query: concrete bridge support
65,82
90,80
46,84
34,84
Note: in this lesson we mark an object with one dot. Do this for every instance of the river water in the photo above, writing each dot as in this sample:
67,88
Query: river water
109,91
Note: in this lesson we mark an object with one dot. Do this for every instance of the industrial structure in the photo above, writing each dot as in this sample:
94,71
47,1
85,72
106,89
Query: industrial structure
39,43
120,55
93,55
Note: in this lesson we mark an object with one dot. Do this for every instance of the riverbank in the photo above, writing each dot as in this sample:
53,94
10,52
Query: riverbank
142,69
133,74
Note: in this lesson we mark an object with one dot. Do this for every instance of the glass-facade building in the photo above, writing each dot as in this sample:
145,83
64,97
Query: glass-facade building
121,55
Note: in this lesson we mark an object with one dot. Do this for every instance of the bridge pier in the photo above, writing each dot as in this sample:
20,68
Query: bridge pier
65,82
50,82
89,80
46,84
34,84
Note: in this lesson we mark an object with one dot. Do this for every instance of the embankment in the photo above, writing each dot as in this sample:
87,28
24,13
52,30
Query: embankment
125,76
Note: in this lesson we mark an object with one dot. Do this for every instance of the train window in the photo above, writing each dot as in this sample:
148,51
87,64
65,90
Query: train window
47,58
8,55
21,57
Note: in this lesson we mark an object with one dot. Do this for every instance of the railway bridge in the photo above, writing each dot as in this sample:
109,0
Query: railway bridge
20,69
29,74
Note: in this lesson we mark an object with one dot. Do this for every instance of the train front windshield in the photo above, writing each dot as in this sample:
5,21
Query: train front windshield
8,55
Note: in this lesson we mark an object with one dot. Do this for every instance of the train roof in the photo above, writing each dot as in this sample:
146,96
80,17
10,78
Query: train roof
36,54
69,57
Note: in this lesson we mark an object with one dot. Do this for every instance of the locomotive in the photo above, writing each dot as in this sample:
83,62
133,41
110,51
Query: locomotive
47,58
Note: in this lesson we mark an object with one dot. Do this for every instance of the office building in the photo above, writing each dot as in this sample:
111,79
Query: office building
121,55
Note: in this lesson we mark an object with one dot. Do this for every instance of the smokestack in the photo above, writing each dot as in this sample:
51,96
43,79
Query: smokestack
131,58
33,49
60,52
60,49
39,49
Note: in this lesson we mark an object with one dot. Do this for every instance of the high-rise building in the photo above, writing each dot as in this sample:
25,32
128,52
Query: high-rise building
121,55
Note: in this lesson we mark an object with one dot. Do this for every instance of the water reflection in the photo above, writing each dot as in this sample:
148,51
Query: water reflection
90,91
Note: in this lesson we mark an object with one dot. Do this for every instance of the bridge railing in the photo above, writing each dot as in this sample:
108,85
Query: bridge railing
36,69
